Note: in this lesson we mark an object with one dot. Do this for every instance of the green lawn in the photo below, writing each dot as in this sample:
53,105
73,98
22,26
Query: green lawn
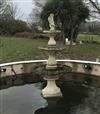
90,38
16,49
86,52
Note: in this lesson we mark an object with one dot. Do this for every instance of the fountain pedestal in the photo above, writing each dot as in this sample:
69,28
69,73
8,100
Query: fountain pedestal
51,63
52,41
51,90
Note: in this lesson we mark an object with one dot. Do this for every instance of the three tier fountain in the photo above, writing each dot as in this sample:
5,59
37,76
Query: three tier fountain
51,90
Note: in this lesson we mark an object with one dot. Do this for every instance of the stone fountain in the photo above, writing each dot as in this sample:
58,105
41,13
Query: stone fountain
51,90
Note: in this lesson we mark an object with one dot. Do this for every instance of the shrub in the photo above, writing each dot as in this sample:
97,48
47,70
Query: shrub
24,34
11,27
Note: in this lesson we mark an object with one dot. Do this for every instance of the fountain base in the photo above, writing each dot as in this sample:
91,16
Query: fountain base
51,90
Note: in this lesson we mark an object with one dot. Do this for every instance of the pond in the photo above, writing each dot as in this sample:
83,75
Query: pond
21,99
26,98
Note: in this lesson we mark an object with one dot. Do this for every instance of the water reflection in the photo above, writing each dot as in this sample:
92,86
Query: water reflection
91,105
21,100
77,98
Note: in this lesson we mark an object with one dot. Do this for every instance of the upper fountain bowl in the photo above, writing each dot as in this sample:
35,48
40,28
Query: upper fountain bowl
51,32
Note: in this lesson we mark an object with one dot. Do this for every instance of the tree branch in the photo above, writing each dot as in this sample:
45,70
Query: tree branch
95,5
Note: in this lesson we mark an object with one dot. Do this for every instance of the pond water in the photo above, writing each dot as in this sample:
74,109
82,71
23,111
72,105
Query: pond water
21,99
77,99
26,99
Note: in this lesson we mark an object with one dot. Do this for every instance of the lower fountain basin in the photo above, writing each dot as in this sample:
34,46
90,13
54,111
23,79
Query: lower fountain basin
26,97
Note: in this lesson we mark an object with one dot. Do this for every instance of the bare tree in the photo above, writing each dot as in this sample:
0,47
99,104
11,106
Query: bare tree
96,5
37,7
35,14
14,11
2,7
11,11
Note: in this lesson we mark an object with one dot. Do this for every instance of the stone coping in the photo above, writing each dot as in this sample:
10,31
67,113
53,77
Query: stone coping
52,31
41,61
80,61
51,48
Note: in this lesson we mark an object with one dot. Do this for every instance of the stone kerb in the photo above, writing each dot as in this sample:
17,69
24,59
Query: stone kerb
23,67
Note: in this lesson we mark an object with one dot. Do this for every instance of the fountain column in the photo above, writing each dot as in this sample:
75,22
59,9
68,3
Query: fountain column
51,89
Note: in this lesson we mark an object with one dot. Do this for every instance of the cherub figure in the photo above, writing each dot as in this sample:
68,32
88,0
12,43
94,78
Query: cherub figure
51,22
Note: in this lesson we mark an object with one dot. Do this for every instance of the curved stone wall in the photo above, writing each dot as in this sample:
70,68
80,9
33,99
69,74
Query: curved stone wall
25,67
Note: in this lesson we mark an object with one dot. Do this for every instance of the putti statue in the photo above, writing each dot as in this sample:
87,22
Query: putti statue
51,22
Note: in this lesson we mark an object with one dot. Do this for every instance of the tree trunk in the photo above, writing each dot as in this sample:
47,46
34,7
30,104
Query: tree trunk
63,35
71,40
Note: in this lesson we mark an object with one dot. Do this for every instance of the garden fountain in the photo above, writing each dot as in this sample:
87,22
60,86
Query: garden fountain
51,90
27,98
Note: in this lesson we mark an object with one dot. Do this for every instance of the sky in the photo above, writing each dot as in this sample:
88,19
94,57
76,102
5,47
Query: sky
25,7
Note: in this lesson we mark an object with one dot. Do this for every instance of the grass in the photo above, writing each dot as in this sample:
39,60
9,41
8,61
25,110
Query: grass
86,52
90,38
16,49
